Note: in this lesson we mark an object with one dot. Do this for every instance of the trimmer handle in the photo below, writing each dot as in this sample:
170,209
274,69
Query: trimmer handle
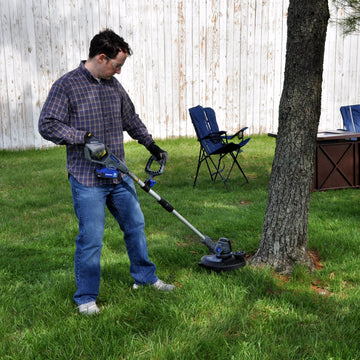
161,162
109,160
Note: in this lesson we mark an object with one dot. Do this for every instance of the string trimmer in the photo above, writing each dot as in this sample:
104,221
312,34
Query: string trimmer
222,258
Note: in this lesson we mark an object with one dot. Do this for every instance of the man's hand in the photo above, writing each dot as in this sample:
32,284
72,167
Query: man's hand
160,154
96,148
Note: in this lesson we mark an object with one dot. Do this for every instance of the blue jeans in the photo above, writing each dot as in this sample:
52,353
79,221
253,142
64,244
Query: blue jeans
89,205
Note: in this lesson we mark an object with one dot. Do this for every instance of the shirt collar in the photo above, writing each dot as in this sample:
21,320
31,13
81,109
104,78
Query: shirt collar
86,72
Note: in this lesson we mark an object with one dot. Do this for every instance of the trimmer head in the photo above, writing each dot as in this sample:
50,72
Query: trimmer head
226,262
223,259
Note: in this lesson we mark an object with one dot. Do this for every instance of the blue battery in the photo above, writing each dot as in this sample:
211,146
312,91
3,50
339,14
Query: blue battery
107,173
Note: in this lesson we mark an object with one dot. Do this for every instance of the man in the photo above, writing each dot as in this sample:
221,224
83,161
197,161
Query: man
89,107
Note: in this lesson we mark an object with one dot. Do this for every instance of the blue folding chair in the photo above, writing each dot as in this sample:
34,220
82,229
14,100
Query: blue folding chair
215,145
351,118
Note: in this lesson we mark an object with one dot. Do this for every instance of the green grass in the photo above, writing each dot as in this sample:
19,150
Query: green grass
246,314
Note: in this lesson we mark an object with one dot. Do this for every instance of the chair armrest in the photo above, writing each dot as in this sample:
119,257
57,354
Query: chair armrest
213,135
229,137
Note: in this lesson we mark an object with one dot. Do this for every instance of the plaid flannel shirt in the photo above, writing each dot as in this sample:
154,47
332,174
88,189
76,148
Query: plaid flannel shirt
78,103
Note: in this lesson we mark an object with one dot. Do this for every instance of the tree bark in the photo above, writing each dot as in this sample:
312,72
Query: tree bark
284,240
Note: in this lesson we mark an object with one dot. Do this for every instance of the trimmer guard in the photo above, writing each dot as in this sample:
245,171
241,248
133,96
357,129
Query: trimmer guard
230,262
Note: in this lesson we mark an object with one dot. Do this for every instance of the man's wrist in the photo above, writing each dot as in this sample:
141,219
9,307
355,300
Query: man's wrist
87,137
156,151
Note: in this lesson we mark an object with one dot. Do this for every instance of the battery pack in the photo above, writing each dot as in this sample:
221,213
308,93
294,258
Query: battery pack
107,173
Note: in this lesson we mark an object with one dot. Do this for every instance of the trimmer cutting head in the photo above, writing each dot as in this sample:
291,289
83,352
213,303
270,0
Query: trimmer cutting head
223,259
230,262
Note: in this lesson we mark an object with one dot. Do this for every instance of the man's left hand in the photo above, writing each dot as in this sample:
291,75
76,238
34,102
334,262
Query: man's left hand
160,154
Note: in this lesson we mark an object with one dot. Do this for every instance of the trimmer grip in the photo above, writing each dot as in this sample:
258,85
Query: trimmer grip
162,163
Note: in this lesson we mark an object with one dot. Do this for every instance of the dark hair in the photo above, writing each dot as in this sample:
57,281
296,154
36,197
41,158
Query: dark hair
109,43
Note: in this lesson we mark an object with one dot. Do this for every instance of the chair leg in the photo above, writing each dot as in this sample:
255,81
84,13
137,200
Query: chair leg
198,167
219,172
209,169
212,174
237,163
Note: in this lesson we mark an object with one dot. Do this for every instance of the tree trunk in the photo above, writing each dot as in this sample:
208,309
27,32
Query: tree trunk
284,240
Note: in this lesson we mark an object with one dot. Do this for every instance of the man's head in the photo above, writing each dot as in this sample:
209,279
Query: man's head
109,43
107,54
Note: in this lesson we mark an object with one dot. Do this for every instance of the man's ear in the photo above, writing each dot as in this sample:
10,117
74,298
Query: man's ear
101,58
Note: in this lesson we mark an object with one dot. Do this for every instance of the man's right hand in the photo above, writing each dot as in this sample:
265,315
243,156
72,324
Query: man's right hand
96,148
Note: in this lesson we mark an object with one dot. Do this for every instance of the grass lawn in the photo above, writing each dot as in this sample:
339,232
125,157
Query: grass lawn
245,314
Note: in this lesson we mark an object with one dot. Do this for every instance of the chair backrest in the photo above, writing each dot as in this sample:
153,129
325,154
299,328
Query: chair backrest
210,114
205,124
351,117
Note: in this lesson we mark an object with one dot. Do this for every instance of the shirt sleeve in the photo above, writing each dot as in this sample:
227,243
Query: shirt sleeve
54,119
132,122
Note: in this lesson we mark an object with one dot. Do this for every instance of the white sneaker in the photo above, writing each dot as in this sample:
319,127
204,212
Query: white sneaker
160,285
89,308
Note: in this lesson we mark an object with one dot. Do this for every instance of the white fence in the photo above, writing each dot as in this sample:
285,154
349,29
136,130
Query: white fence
227,54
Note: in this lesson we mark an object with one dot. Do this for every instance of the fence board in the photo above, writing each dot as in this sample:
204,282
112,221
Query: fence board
4,86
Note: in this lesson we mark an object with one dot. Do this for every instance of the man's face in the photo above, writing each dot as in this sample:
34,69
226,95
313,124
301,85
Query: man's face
109,67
